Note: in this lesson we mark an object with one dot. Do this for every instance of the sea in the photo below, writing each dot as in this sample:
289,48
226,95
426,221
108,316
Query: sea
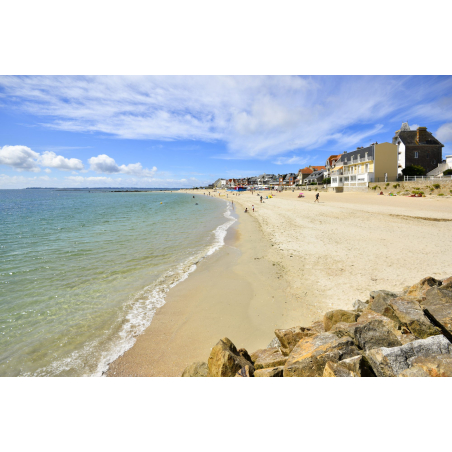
82,272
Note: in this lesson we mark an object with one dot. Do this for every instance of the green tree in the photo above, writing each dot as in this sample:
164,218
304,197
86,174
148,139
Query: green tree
448,172
413,170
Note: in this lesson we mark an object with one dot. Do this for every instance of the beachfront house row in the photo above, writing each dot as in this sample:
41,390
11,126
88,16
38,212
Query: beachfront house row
375,163
220,183
417,147
315,178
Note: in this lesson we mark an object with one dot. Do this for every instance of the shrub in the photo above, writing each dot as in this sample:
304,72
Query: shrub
396,186
436,186
326,181
417,192
440,194
374,187
387,183
413,170
448,172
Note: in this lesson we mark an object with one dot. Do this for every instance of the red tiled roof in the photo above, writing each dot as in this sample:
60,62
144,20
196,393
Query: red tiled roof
333,157
317,167
306,171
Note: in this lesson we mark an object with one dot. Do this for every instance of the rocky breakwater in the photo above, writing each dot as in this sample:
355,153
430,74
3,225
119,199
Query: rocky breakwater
406,334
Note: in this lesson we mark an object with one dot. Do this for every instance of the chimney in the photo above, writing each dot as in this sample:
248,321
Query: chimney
421,135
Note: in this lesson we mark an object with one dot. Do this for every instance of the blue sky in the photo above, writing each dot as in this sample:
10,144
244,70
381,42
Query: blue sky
176,131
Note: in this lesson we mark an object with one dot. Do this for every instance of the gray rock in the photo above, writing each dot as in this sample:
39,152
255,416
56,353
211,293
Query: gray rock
197,369
411,315
390,362
359,305
274,343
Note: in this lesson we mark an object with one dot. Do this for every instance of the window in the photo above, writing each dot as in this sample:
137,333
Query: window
367,168
416,154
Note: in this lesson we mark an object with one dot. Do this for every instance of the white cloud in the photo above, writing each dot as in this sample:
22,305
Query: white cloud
105,164
21,158
295,160
50,159
444,133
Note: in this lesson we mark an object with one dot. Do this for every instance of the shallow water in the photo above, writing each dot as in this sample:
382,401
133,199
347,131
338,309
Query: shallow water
82,273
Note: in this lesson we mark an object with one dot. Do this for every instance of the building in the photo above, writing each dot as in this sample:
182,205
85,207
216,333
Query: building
417,147
302,175
316,177
330,163
220,183
375,163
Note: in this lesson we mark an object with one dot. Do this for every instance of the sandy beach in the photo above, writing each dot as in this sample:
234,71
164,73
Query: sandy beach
288,263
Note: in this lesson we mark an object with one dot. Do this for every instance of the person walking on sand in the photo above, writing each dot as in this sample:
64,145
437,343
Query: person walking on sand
261,198
317,197
253,207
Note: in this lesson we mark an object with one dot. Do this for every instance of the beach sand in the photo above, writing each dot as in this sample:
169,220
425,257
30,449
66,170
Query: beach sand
288,263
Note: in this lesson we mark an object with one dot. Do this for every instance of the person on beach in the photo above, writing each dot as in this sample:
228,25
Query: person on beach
317,197
246,209
261,198
253,207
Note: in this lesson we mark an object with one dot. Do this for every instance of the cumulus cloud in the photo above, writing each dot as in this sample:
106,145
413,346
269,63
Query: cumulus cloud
21,158
444,133
50,159
105,164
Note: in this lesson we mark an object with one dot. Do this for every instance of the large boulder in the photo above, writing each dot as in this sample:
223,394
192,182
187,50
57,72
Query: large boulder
411,315
197,369
270,372
310,355
372,330
380,304
318,327
225,361
437,307
268,357
433,366
390,362
290,337
358,366
339,316
418,290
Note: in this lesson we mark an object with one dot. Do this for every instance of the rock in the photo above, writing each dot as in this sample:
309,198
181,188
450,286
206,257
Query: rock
268,357
418,290
244,354
437,307
246,371
411,315
290,337
225,361
339,315
390,362
359,305
197,369
310,355
359,365
381,304
337,370
447,283
274,343
372,330
318,327
433,366
385,293
414,372
270,372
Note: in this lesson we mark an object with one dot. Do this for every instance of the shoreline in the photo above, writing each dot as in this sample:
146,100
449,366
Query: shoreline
309,258
236,290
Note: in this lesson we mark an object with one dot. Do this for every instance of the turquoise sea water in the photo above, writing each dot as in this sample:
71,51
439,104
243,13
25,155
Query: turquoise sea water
82,273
